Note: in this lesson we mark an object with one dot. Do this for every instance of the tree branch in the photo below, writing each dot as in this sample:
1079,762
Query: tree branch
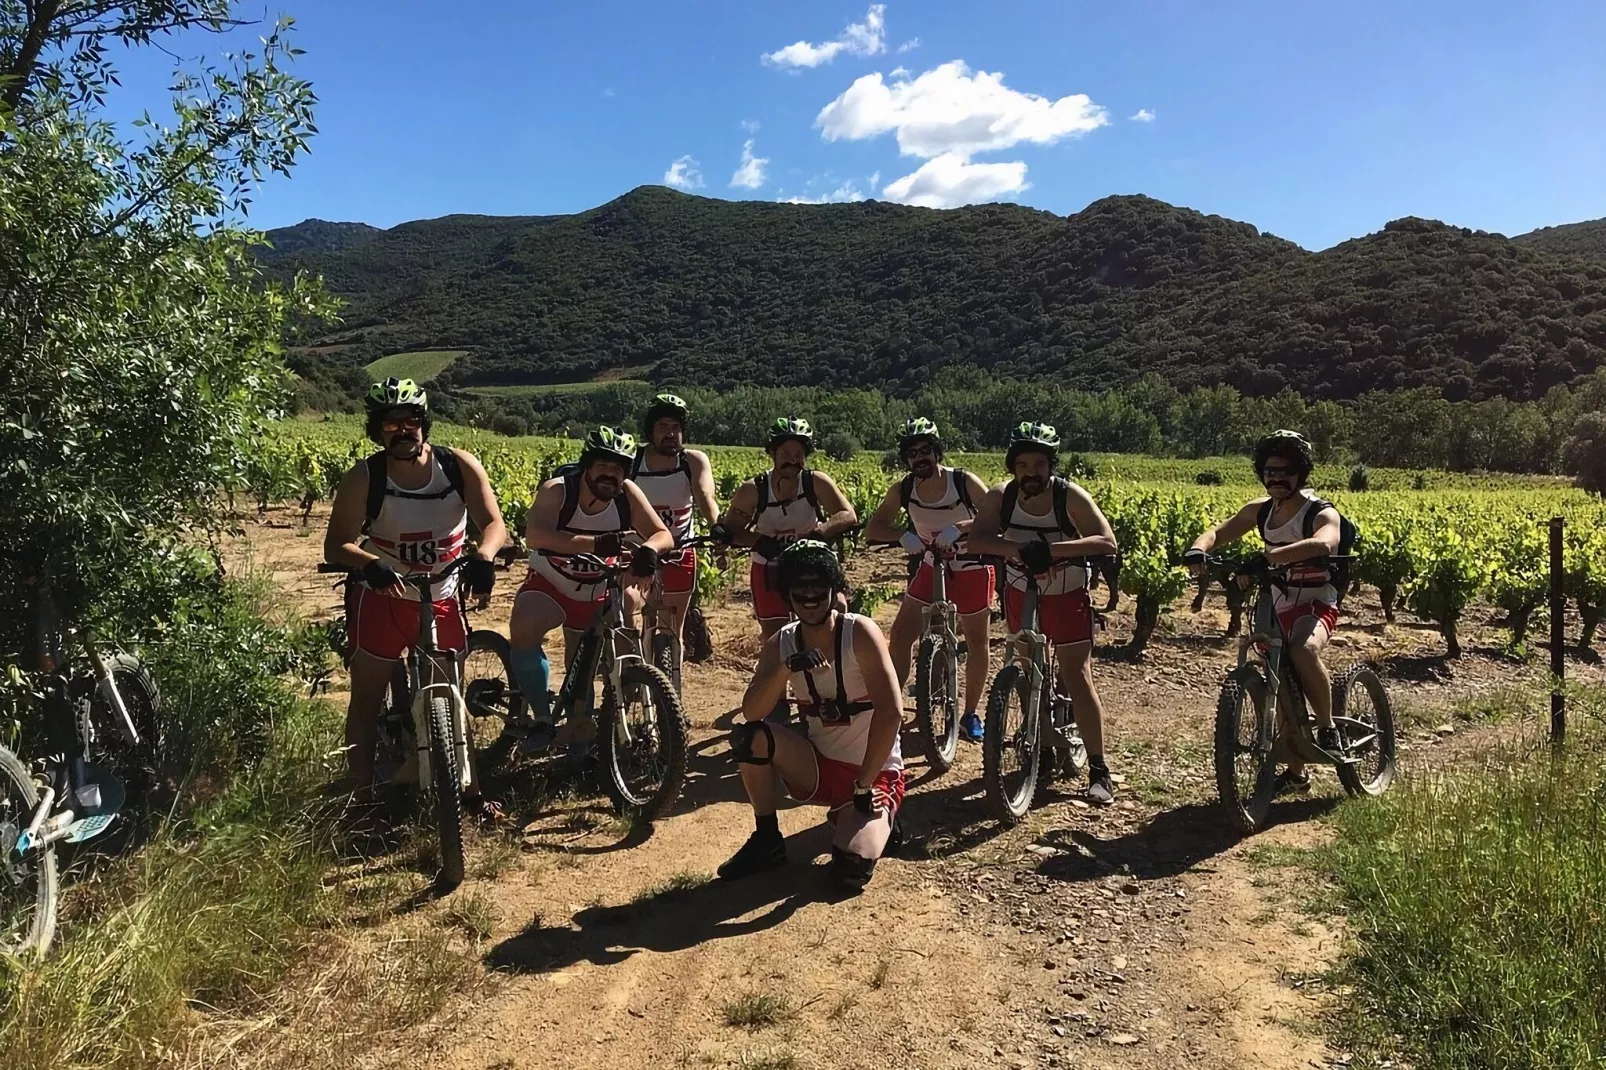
33,43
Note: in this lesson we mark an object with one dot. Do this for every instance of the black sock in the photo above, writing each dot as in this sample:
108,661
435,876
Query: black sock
1095,764
769,825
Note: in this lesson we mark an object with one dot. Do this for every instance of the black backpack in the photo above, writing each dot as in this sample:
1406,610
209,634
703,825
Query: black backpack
906,490
379,482
1062,510
806,479
1347,532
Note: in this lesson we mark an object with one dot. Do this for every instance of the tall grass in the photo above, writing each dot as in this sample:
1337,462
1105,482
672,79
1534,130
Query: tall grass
1479,899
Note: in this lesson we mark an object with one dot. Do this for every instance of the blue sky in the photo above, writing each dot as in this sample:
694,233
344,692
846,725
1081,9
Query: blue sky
1315,121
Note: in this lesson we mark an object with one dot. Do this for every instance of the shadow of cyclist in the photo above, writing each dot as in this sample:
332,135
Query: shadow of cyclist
1170,843
674,917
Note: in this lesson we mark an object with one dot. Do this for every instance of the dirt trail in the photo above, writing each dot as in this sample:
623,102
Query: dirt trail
1140,936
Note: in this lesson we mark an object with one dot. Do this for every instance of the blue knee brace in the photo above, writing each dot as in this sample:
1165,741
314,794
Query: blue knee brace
531,671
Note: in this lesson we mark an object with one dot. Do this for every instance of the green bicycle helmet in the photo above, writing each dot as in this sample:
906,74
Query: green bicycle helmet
396,393
916,429
608,444
661,406
1029,437
1289,445
805,561
792,427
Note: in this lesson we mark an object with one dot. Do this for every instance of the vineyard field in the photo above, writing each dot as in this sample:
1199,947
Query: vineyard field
422,365
1430,551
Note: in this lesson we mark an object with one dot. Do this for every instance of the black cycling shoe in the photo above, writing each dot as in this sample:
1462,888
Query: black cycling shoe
1291,783
1330,741
762,851
1100,788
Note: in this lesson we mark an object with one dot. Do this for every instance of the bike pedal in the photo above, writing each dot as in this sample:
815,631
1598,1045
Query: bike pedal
962,649
88,827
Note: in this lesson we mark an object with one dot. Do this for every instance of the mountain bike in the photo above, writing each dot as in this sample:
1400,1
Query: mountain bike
1259,726
1044,740
436,730
937,685
642,730
102,719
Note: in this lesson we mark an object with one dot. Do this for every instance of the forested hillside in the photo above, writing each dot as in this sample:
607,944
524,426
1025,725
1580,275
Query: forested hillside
1572,239
717,292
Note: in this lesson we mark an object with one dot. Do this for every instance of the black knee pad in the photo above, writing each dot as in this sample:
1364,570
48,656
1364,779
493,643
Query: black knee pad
849,870
742,742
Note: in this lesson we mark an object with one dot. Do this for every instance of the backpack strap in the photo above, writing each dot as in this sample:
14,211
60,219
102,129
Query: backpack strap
1006,511
841,686
571,502
906,490
1264,517
1316,506
962,488
810,493
1062,506
379,481
761,483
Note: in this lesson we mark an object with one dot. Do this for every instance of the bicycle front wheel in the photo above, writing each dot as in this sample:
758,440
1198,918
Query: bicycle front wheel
27,884
1012,751
643,737
138,766
446,786
937,704
667,658
1245,764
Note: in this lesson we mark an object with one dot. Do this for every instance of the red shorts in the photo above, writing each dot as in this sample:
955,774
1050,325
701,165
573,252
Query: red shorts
1062,618
1325,613
767,601
677,571
834,783
578,613
385,627
971,591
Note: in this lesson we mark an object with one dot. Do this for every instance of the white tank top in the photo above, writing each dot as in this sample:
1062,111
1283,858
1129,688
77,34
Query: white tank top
423,533
842,737
571,577
791,517
931,518
669,492
1023,527
1291,532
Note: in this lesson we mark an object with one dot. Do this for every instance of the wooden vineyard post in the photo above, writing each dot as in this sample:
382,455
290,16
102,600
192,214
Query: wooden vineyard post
1558,638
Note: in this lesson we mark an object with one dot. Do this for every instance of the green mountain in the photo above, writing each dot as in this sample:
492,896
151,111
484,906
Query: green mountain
707,292
1570,239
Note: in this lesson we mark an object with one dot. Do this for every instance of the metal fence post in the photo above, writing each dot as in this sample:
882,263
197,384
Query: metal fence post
1558,637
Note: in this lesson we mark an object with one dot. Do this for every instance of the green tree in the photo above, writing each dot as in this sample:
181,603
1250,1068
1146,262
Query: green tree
1585,452
138,345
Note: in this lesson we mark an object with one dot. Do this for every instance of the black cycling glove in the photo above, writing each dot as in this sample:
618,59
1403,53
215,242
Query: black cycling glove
606,545
379,576
863,799
481,576
720,534
643,560
1037,556
769,546
1195,556
804,660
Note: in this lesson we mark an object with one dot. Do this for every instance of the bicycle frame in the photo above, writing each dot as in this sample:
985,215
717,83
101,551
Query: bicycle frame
598,654
1290,726
1030,648
424,691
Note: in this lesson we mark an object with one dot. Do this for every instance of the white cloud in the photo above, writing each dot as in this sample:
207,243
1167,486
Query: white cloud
684,173
875,180
950,180
752,126
909,45
1144,115
750,175
952,111
844,193
609,92
865,38
899,72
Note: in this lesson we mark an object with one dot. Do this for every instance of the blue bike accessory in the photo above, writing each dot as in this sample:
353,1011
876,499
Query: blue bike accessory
970,727
532,671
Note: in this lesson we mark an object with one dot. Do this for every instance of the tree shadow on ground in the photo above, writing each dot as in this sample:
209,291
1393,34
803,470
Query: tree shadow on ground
674,917
1170,843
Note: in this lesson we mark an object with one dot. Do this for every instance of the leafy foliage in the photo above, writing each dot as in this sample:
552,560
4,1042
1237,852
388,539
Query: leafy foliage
1571,239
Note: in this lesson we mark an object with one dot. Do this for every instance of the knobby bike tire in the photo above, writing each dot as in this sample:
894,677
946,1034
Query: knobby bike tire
1010,806
1244,690
1376,779
663,656
654,799
138,767
448,801
33,937
937,693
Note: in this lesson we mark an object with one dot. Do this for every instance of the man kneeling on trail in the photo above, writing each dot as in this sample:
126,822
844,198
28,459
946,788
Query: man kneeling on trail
850,761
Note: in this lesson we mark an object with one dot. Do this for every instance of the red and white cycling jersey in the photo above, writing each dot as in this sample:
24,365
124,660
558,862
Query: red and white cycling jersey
420,529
